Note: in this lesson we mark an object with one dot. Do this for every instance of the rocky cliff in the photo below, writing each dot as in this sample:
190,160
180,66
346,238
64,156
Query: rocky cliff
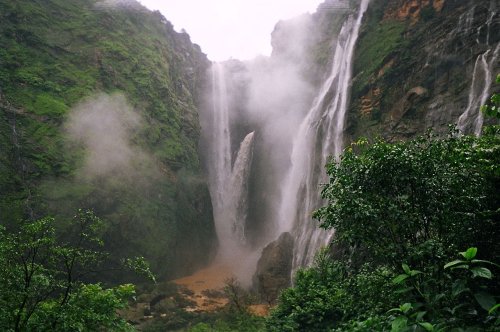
418,64
69,70
422,64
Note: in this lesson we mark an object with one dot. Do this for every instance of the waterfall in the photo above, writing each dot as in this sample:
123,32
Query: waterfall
228,184
220,157
237,193
320,135
471,120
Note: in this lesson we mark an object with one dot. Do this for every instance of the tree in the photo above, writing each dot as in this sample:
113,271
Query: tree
406,204
42,284
398,200
492,108
328,295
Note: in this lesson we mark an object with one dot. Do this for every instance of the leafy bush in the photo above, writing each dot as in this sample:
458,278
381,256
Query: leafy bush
328,296
458,297
417,203
492,108
42,284
392,199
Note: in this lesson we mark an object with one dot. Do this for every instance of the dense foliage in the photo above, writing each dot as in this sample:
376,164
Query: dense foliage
392,199
42,279
492,108
401,213
55,53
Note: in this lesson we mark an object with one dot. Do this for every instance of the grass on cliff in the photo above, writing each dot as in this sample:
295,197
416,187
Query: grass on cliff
374,49
53,54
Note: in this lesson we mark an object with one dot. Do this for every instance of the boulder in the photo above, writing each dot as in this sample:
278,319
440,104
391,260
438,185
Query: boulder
274,268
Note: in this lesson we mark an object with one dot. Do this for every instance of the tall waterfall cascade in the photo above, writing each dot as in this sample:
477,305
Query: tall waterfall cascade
320,136
471,120
228,181
297,138
238,188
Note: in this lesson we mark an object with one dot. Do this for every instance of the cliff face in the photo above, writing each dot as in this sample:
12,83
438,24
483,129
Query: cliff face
420,64
108,54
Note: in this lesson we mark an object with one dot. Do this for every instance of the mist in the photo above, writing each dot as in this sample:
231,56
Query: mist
280,94
269,96
104,126
278,89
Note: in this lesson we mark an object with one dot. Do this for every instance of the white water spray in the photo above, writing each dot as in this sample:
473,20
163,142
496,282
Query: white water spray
320,135
237,193
228,184
471,120
220,165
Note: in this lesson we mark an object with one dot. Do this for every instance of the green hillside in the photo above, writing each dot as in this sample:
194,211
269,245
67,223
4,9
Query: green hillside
56,53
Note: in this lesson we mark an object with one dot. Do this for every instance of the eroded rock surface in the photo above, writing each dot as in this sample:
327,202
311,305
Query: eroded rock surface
274,267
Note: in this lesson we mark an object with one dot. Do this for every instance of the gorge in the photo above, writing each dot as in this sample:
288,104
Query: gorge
321,122
194,164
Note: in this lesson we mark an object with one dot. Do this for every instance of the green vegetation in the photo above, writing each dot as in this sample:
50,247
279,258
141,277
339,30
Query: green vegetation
170,304
492,108
401,211
42,278
392,198
374,50
413,205
55,53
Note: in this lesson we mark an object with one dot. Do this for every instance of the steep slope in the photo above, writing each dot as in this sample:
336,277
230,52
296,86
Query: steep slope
53,55
420,64
415,66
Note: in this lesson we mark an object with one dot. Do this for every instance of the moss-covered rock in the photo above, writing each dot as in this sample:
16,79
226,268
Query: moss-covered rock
406,45
55,53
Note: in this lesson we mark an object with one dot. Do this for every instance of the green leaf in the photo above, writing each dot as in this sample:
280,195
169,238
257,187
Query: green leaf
459,287
427,326
465,267
400,278
483,261
405,307
420,315
481,272
455,308
455,262
404,290
485,300
494,308
469,253
414,272
438,297
399,324
406,268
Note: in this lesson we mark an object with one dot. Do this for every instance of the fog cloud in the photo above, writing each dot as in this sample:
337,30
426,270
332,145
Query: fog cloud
279,97
279,93
104,126
268,95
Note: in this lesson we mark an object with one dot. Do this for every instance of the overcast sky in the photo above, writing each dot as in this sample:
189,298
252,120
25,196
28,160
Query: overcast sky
239,29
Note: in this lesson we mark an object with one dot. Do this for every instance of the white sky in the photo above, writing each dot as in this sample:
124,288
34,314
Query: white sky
240,29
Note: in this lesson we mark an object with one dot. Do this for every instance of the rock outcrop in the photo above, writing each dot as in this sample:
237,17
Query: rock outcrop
425,59
274,268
